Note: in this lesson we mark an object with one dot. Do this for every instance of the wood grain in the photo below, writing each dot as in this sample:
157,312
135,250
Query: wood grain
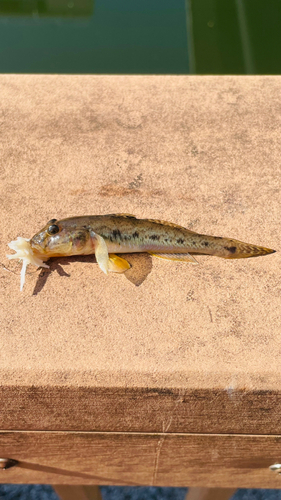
228,461
139,410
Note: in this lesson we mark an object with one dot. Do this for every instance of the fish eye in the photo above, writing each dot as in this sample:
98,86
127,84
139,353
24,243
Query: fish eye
53,229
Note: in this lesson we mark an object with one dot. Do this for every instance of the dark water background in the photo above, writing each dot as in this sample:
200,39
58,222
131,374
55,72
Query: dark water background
140,36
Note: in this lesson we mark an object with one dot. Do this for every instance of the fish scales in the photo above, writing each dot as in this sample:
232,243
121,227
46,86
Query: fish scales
128,234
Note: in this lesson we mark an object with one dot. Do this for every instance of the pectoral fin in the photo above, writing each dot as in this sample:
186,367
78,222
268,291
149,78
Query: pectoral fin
181,257
117,264
101,252
107,262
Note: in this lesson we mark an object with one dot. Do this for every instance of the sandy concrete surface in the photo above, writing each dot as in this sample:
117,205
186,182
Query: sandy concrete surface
203,152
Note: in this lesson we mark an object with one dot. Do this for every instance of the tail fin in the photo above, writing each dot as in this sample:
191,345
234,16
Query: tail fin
234,249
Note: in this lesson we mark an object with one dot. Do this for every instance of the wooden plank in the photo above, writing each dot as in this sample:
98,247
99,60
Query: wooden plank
78,492
210,493
195,460
139,409
193,348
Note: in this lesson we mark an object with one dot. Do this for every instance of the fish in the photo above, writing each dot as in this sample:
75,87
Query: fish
108,236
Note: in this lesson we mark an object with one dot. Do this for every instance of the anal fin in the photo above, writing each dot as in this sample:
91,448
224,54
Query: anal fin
180,257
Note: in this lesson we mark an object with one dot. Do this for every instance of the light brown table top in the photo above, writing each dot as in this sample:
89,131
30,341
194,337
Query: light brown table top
203,152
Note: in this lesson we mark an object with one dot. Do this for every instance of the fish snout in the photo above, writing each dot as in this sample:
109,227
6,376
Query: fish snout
37,242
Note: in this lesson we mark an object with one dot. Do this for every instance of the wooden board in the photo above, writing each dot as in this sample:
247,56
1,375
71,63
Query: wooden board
176,347
73,492
230,461
140,409
210,493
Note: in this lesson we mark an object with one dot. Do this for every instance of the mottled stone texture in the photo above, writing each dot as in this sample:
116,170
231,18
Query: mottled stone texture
203,152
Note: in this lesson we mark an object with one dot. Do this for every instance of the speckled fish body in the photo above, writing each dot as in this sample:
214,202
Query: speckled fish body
108,235
127,234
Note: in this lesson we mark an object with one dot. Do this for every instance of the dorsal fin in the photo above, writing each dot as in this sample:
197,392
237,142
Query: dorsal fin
171,224
157,221
129,216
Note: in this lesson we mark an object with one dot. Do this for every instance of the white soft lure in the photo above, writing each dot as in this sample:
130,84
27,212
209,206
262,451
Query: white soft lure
25,253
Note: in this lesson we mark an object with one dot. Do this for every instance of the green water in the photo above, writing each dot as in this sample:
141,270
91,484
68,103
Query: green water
140,36
110,36
235,36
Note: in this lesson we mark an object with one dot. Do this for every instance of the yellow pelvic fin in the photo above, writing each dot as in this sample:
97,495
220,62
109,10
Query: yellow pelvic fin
181,257
117,264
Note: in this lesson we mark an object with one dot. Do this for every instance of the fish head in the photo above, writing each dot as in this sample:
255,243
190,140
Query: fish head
60,238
